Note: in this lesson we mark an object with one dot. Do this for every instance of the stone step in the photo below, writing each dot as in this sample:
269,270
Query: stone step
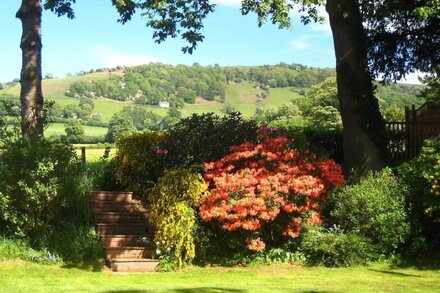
121,217
121,229
134,265
124,252
114,196
109,206
125,240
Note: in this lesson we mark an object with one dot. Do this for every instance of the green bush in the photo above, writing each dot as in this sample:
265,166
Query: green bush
205,138
335,248
19,248
42,198
422,175
36,182
172,203
374,208
139,160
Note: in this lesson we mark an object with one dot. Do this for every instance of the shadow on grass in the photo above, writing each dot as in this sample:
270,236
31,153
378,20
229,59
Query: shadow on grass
393,273
428,262
95,266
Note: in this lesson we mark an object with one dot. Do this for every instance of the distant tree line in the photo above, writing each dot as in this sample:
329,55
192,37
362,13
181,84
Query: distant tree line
150,84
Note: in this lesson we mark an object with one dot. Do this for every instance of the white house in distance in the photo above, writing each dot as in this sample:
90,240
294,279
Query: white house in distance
163,104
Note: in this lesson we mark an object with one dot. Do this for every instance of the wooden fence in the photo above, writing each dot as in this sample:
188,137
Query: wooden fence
405,139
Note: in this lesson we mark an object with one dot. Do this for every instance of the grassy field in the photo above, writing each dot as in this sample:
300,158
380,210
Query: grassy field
94,154
58,129
241,96
20,276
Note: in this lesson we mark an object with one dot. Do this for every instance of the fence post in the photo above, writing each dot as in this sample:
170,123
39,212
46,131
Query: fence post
83,153
407,133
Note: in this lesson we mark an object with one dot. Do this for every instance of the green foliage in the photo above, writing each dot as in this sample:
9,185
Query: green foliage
207,137
19,248
335,248
35,181
74,131
423,201
139,160
374,208
432,92
119,124
172,202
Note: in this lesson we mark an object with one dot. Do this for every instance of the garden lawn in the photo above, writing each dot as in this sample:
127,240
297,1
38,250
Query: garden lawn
20,276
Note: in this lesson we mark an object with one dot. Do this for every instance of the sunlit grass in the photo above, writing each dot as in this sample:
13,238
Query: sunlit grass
20,276
58,129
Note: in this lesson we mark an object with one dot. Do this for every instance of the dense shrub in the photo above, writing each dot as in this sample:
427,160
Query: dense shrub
374,208
206,137
422,175
42,197
266,190
336,248
139,160
36,181
172,203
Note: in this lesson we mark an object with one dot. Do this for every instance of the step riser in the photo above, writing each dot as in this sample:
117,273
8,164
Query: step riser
120,219
114,207
134,267
127,253
121,230
111,196
122,241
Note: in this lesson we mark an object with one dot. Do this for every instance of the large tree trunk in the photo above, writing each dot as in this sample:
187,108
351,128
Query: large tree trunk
364,144
31,95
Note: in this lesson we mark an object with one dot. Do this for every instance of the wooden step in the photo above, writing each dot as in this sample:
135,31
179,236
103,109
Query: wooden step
120,217
114,196
121,229
134,265
109,206
125,240
124,252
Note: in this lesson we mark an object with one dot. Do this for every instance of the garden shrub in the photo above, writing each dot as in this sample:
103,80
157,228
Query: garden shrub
422,175
335,248
207,137
42,198
374,208
36,181
172,213
138,161
20,248
266,191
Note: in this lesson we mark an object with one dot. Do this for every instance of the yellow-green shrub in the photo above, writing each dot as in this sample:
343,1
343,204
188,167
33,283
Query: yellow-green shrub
138,161
172,202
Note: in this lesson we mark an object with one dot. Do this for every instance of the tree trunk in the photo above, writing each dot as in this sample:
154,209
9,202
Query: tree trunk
364,132
31,95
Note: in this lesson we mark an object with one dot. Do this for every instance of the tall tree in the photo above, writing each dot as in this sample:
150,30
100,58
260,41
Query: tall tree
363,126
31,95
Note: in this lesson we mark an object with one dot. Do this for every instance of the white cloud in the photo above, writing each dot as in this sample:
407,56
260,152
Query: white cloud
227,2
112,57
300,44
412,78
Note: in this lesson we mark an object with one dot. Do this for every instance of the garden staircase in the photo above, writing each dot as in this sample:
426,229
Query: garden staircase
121,225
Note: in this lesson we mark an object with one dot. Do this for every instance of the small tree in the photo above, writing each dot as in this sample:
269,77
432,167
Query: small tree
120,123
74,131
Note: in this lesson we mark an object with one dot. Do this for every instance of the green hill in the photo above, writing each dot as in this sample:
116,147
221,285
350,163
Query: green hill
192,89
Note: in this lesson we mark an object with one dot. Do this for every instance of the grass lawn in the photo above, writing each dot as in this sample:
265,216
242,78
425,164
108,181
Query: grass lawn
20,276
93,155
58,129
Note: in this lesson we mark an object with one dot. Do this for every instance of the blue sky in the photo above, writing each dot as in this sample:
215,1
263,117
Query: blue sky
94,39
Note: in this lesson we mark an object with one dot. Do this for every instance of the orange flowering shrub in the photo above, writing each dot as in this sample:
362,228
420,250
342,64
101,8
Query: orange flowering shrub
267,184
